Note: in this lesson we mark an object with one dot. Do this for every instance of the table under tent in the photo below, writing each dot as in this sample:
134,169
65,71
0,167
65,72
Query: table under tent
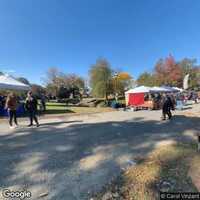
143,97
8,83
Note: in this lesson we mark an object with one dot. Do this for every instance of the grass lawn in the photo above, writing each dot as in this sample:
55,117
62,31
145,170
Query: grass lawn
61,108
173,168
57,108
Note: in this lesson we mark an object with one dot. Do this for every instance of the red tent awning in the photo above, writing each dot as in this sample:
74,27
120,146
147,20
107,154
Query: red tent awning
135,99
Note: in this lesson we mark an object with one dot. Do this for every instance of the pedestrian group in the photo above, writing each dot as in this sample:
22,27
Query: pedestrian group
31,105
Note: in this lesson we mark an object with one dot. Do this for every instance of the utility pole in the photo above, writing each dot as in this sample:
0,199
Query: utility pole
115,76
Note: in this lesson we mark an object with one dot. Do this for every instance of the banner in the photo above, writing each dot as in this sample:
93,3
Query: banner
185,82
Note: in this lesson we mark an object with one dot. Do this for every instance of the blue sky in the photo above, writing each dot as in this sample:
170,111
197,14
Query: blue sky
72,34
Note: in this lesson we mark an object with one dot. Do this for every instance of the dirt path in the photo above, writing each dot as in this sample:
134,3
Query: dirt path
72,158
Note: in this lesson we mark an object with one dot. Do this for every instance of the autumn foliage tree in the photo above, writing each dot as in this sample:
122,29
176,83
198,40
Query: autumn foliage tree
168,72
189,66
105,81
146,79
121,82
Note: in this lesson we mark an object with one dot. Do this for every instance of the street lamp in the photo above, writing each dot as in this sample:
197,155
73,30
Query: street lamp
115,76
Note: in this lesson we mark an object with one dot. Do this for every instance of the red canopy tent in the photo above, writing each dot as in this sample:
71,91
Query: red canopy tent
135,97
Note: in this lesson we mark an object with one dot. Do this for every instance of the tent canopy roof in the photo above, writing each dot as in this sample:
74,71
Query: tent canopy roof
178,89
140,89
160,89
144,89
9,83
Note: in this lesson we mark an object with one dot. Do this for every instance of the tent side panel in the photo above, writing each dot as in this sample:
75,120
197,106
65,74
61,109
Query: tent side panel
136,99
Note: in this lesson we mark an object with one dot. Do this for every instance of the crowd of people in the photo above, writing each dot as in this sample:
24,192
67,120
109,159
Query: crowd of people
170,101
163,101
10,103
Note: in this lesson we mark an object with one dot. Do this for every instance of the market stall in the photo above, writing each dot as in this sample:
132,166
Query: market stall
147,97
160,89
178,89
9,83
136,97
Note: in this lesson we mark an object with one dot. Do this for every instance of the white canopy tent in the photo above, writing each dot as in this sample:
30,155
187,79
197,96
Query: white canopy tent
178,89
9,83
160,89
173,89
140,89
144,89
137,91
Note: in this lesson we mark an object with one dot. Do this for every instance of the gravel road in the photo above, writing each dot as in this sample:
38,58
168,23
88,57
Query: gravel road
70,158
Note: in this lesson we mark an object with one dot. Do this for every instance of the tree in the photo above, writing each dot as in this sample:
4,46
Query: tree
187,65
190,67
146,79
121,82
52,75
38,90
23,80
168,72
62,85
101,78
54,80
73,80
74,83
194,79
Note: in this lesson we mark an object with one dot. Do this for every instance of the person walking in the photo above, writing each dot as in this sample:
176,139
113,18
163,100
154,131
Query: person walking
31,106
43,102
11,106
167,105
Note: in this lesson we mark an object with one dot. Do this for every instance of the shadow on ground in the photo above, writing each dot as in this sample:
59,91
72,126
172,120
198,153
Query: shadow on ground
71,160
58,123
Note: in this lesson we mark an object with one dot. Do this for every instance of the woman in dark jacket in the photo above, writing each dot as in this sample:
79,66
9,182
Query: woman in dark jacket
31,106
